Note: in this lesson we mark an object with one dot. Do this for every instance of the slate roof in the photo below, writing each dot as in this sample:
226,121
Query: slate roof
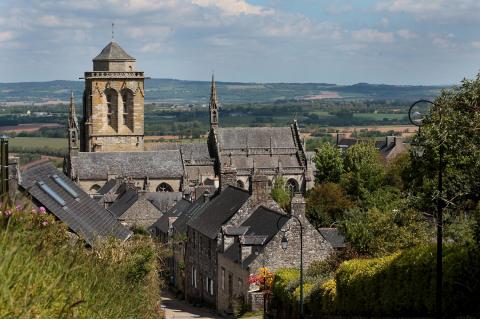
123,202
347,142
163,201
263,224
218,210
333,236
180,224
190,151
98,165
113,52
163,223
59,195
108,186
239,137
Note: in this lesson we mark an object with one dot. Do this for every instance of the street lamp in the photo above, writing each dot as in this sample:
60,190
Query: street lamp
417,119
284,244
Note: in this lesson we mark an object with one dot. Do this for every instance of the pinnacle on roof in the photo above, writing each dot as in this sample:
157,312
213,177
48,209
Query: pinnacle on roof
213,94
113,52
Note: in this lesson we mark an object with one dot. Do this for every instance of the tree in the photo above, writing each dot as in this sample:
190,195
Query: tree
378,233
452,124
329,164
326,204
364,170
280,194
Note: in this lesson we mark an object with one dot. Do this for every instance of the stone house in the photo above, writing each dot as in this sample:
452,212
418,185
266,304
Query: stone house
201,246
257,244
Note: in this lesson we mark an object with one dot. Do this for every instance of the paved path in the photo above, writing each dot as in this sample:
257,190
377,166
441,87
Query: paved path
179,309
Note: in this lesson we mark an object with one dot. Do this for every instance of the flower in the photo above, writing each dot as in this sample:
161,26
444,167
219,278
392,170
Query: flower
42,210
45,223
18,207
8,212
33,211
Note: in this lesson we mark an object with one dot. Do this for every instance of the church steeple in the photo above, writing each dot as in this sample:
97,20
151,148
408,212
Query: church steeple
213,105
73,129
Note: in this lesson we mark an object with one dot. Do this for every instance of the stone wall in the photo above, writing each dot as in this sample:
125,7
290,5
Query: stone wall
142,213
201,255
119,135
233,285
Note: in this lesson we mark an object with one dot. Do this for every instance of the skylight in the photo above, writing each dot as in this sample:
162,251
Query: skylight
51,193
65,186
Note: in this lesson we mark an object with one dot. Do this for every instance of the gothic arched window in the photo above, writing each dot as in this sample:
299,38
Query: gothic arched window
292,186
164,187
112,105
127,100
240,184
94,188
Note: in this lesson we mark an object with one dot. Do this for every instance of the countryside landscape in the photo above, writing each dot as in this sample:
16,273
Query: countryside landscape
239,159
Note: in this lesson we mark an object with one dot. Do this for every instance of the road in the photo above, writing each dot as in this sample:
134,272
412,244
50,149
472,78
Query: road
179,309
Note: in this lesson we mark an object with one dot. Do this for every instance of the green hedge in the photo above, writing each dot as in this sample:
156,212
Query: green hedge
400,284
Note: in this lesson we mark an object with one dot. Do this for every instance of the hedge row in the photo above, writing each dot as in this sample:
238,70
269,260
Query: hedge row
402,284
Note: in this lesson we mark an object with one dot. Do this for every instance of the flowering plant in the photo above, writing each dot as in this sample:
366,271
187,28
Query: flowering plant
263,279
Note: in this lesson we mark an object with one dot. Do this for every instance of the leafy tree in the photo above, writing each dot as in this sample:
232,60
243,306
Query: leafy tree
329,164
326,204
364,170
280,194
377,233
452,125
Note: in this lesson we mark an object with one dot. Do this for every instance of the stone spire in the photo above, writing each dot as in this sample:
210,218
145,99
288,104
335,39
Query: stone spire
213,105
73,129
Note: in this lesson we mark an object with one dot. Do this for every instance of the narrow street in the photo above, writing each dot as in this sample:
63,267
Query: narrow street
179,309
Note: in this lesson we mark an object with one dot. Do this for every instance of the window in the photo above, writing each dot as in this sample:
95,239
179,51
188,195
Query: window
127,109
240,184
223,278
194,277
292,186
112,99
209,285
51,193
164,187
65,186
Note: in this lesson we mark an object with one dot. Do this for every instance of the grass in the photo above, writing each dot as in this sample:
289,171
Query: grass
39,142
39,145
45,274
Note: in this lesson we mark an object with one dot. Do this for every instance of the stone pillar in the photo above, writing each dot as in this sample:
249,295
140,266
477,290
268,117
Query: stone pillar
228,176
298,206
259,188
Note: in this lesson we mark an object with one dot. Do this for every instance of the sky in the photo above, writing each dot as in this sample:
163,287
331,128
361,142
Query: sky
429,42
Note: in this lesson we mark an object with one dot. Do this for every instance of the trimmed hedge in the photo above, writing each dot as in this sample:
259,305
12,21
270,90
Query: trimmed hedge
402,284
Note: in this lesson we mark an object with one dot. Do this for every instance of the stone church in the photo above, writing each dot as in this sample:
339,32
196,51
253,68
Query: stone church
108,142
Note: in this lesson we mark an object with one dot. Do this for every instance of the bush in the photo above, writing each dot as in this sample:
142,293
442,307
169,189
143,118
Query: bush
402,284
46,274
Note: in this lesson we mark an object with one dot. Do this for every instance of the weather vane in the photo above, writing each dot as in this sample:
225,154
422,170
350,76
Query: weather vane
113,25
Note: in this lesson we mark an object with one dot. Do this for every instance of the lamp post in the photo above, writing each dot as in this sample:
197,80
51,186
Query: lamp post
4,167
416,118
284,243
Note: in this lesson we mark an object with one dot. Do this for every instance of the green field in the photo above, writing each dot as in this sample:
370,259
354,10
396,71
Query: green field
380,116
60,144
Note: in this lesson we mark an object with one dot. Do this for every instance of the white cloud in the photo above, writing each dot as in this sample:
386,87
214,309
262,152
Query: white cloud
5,36
372,35
406,34
339,8
444,42
233,7
475,44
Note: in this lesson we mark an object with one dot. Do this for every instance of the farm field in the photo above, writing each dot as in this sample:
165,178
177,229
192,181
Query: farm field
38,143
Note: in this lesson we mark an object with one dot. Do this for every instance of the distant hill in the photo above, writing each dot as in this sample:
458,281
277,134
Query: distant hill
197,92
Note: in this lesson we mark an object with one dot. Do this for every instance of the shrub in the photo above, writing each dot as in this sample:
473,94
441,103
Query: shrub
46,274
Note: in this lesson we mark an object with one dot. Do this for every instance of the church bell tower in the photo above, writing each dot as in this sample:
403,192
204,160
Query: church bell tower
113,103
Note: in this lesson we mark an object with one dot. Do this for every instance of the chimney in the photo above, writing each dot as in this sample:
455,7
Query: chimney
298,205
390,141
228,176
259,188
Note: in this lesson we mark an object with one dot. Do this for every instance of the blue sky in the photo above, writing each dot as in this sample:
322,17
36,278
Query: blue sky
336,41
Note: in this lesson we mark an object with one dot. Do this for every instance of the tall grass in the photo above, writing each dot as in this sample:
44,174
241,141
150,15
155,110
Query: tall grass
44,273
